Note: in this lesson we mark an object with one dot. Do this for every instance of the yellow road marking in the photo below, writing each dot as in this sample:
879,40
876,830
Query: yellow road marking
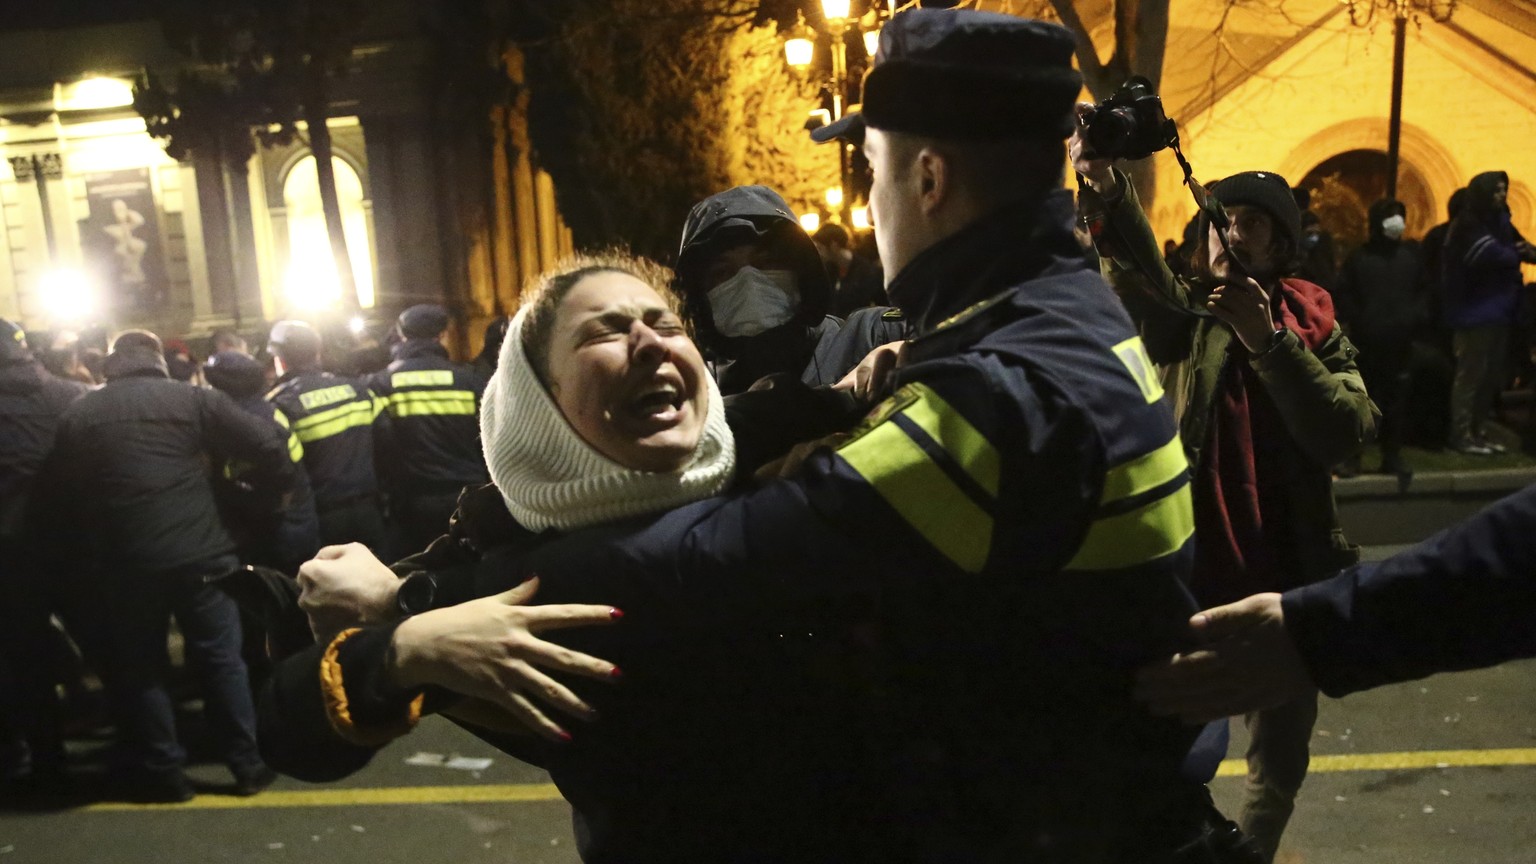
1401,761
526,792
482,794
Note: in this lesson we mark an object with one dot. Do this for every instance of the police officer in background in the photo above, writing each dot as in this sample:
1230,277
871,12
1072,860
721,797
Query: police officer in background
333,418
431,447
283,537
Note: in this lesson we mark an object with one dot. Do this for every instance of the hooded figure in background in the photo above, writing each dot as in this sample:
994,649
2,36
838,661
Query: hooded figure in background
758,293
1381,296
1480,284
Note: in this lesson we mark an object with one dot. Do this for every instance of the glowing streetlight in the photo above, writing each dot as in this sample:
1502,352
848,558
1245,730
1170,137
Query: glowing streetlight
836,10
800,45
861,218
357,325
871,41
834,198
810,222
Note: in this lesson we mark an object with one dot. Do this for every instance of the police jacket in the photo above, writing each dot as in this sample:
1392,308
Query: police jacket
432,442
129,483
1462,599
31,403
1015,521
333,418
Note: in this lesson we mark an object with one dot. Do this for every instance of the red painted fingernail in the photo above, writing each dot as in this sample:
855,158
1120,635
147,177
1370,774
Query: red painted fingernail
615,614
615,673
564,736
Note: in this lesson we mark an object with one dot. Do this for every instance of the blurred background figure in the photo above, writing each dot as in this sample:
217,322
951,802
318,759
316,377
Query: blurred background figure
1380,297
855,283
333,418
126,510
430,446
31,402
490,349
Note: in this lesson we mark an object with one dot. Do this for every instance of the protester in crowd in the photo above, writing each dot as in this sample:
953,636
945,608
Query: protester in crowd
1025,401
490,348
431,447
281,535
602,410
1380,296
1480,286
179,363
1316,250
31,403
125,504
63,357
757,294
856,283
1462,599
222,340
333,417
1269,397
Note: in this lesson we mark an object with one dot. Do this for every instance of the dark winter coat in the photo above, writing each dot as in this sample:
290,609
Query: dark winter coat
133,464
31,403
1382,290
1480,280
431,446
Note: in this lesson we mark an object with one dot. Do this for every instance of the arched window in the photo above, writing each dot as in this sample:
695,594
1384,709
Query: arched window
310,281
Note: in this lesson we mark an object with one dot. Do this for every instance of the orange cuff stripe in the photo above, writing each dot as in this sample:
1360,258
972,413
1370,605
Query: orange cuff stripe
333,690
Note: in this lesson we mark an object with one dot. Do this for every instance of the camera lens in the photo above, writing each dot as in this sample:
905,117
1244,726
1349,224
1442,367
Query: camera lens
1110,132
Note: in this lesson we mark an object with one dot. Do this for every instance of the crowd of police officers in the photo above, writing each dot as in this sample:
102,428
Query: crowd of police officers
109,526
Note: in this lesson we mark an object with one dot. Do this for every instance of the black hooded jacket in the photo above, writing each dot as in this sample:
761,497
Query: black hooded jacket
129,483
1382,290
31,403
813,345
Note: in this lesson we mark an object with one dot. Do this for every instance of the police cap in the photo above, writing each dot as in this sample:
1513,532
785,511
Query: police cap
964,74
294,339
13,341
423,321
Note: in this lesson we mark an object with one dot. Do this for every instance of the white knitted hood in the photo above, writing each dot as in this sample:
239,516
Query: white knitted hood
551,478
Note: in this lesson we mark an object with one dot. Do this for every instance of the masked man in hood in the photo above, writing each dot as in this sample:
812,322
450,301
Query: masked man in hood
757,292
1380,296
1480,283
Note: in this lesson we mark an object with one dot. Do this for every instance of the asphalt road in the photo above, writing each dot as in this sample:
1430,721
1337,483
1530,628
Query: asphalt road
1441,770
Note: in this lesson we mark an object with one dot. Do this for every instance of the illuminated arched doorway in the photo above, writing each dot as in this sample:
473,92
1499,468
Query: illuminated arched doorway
309,280
1343,187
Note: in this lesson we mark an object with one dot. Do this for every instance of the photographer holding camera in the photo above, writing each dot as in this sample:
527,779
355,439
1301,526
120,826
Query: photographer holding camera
1265,387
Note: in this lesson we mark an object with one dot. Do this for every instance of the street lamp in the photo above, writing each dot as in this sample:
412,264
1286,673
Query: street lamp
799,52
1362,13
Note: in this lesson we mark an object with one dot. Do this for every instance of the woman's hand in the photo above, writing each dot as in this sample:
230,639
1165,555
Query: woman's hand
487,649
345,586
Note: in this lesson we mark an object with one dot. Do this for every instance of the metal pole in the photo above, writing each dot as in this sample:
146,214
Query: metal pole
839,96
1395,125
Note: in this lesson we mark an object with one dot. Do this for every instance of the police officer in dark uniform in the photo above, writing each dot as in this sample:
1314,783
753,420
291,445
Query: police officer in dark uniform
31,402
431,449
1017,513
333,418
283,537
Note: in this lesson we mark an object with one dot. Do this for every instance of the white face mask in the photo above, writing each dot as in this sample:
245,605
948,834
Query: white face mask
754,300
1393,227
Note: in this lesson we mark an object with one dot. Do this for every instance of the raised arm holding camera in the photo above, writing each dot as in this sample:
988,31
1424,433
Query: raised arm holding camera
1265,387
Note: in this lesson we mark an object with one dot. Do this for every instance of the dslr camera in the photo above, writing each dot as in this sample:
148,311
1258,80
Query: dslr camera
1130,124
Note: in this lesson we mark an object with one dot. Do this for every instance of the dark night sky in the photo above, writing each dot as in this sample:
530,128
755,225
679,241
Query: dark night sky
34,15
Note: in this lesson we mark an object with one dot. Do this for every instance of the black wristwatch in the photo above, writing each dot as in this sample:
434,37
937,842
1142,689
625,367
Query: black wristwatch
416,593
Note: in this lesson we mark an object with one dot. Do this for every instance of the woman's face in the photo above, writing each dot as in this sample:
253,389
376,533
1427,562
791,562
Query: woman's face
625,374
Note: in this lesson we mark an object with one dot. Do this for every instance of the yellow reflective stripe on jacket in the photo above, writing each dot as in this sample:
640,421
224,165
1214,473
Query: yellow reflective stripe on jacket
411,403
918,488
1159,527
334,421
969,448
295,447
327,396
1133,355
1144,473
1147,533
422,378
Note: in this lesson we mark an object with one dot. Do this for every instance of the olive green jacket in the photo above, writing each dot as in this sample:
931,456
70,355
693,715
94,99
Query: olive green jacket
1319,393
